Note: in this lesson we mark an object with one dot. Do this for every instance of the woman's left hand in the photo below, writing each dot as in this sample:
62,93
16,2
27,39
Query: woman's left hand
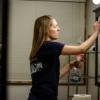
78,61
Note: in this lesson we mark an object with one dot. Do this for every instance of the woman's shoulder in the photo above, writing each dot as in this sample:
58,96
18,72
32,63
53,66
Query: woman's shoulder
50,48
53,43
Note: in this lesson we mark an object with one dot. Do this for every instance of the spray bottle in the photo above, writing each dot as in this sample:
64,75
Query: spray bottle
75,73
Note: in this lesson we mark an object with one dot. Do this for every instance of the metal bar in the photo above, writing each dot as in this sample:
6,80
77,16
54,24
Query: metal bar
72,1
68,88
98,94
87,67
77,89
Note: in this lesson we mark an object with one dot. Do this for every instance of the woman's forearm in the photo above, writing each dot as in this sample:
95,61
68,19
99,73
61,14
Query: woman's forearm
89,42
64,70
67,67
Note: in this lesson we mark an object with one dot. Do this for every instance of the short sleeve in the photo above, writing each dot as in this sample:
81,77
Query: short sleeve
52,48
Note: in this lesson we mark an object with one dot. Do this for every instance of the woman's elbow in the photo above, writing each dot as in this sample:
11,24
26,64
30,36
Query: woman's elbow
83,50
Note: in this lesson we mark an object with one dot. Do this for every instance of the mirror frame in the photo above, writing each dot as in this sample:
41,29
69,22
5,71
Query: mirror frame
97,82
4,37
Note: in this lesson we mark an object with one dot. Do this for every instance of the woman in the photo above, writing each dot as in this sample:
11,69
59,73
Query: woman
44,57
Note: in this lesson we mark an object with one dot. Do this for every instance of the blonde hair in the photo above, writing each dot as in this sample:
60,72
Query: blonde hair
40,33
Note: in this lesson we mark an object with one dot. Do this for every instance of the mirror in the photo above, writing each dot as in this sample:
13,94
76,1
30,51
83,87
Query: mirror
67,15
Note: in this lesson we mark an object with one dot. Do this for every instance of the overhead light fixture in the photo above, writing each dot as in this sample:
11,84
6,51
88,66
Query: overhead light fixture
96,2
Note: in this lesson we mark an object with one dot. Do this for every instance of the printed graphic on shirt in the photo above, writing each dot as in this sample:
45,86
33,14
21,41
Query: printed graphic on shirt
36,67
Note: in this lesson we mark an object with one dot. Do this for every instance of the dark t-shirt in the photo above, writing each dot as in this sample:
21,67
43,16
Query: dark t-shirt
45,70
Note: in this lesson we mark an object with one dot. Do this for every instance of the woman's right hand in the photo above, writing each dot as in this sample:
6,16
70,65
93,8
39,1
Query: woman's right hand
96,26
